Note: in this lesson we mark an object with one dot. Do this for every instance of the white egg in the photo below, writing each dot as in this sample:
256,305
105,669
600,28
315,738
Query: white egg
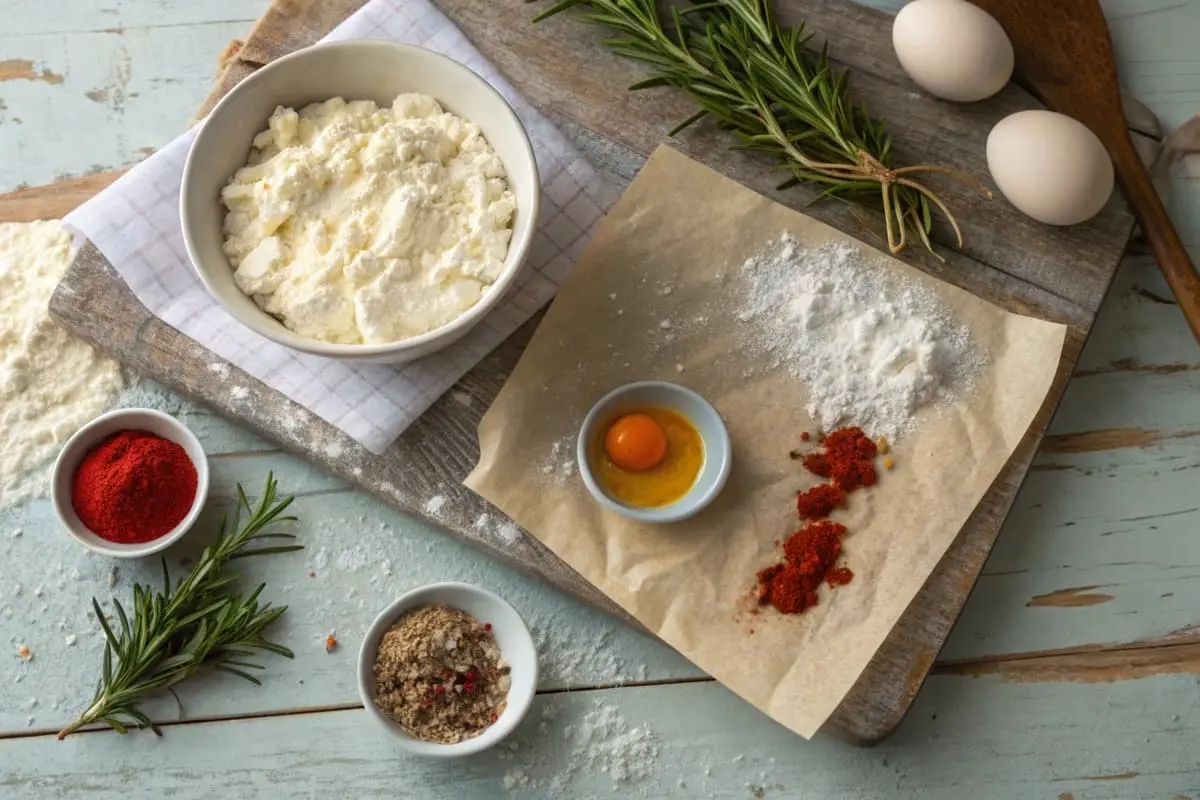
1050,166
952,49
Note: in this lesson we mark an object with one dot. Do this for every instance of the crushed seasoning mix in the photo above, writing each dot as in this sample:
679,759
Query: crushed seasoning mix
440,675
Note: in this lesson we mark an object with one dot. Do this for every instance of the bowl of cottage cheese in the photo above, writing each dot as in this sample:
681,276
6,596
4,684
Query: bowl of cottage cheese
362,200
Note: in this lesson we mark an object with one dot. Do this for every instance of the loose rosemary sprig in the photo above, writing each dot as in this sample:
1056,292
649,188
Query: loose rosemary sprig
760,81
197,623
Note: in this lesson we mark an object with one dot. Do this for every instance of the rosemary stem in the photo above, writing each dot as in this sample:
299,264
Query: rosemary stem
761,82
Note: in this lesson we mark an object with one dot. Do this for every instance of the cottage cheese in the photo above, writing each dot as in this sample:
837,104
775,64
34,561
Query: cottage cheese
357,224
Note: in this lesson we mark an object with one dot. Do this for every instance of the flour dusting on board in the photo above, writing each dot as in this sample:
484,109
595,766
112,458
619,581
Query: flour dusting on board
871,349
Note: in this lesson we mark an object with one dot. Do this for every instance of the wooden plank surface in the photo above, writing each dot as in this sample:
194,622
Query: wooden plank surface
1055,274
1013,741
55,200
1064,710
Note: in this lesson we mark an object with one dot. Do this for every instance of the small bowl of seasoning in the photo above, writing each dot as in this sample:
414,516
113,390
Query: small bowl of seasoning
130,483
654,452
448,669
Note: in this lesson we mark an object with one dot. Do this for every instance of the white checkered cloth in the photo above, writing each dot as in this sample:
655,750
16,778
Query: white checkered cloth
135,224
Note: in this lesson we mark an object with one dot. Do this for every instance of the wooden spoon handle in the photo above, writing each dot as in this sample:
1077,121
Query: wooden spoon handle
1168,249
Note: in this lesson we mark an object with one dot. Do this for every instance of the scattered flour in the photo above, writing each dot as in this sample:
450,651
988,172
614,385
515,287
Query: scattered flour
559,466
602,742
50,383
434,505
572,659
872,350
509,534
501,532
605,741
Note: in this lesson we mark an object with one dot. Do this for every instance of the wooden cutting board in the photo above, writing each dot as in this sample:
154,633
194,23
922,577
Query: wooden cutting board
1055,274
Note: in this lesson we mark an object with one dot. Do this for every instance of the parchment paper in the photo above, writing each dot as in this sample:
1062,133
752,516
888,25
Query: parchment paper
658,289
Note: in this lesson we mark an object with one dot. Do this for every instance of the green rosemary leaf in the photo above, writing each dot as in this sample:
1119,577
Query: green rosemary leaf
266,551
115,724
235,671
143,721
277,649
557,8
199,622
760,82
108,634
650,83
124,620
687,123
105,670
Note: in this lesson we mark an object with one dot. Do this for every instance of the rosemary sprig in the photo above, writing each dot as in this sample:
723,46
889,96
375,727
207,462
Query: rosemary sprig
761,82
197,623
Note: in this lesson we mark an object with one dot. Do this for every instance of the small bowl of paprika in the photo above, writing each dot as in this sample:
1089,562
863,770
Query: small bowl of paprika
130,483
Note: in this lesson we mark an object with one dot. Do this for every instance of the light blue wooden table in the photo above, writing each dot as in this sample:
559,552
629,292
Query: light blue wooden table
1072,673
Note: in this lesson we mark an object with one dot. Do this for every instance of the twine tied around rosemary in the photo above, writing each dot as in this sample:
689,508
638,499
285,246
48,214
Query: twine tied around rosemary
760,82
872,169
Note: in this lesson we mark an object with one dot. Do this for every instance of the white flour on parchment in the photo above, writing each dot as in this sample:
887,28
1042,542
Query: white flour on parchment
50,383
871,350
558,464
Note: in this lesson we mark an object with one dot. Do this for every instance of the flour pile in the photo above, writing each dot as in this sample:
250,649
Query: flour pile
50,383
872,350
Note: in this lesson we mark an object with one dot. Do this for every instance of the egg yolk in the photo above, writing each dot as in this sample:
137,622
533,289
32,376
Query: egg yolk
636,443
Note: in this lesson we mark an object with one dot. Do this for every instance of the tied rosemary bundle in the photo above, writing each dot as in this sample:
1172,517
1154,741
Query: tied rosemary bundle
200,622
760,81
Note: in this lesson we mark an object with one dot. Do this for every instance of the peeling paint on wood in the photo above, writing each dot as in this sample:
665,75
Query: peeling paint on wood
1130,365
1129,662
22,69
1108,439
1050,467
54,201
1069,598
1120,776
1002,731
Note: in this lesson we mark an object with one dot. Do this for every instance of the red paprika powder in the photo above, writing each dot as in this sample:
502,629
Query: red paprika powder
809,555
846,459
819,501
133,487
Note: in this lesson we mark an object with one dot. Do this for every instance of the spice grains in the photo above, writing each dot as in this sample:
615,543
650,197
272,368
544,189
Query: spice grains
440,675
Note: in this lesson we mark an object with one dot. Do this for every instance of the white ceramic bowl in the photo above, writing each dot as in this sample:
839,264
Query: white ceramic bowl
90,435
718,452
356,70
516,646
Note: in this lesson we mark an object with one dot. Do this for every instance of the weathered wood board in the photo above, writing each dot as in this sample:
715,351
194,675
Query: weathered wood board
54,200
1051,273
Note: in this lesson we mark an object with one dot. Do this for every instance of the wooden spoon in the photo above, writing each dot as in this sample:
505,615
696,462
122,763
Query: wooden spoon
1064,57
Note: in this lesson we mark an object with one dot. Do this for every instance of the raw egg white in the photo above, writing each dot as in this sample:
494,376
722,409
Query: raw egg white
953,49
1050,166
